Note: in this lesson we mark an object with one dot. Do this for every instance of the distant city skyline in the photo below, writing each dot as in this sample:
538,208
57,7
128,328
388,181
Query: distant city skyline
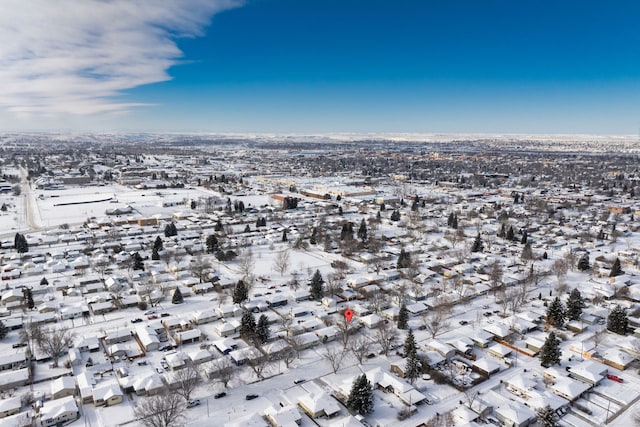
321,66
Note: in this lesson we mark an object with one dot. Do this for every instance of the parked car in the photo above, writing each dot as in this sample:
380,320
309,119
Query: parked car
192,403
251,396
463,322
299,380
136,320
153,316
164,315
159,370
19,344
219,395
615,378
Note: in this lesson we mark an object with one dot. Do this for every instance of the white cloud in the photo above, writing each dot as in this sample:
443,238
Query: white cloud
76,56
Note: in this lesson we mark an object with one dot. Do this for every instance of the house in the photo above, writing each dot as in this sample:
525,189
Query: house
283,416
588,371
317,403
98,308
200,356
13,378
568,388
10,361
485,367
443,349
148,385
204,316
391,384
189,336
86,381
514,414
617,359
116,336
10,406
58,412
107,395
147,339
62,387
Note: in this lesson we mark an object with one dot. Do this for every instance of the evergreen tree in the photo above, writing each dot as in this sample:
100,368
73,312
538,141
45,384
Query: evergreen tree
525,237
410,346
618,321
583,262
155,256
284,235
27,295
527,252
170,230
20,243
3,330
157,244
218,226
477,244
248,326
211,243
247,229
362,231
404,259
177,297
44,282
616,270
555,313
550,352
395,215
403,317
547,417
361,397
240,292
510,233
262,329
314,236
347,231
413,368
138,263
317,286
575,304
503,232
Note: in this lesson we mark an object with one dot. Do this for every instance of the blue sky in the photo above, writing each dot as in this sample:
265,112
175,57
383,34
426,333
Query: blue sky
311,66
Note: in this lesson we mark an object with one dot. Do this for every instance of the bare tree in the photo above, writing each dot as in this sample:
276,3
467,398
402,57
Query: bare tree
598,337
296,344
334,356
185,381
470,396
560,268
288,356
54,341
386,336
282,262
199,267
360,346
259,363
246,263
436,320
495,276
332,284
345,332
162,410
442,420
222,370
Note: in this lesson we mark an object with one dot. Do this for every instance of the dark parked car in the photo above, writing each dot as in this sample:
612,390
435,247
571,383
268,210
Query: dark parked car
219,395
138,320
251,396
165,315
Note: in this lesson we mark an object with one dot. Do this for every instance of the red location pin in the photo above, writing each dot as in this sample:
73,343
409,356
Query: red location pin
348,314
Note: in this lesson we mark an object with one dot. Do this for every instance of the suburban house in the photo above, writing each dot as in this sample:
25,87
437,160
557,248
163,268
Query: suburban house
58,412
